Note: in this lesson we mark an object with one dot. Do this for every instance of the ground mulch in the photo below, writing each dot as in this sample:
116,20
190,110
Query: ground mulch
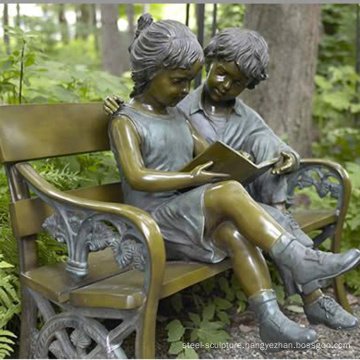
245,341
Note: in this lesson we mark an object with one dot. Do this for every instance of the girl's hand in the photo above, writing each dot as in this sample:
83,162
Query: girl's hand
246,155
200,176
286,164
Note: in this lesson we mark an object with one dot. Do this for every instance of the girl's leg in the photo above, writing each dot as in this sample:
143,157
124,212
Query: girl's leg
252,273
229,201
251,270
248,263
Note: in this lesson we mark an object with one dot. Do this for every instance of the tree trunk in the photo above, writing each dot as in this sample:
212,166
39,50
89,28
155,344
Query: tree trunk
145,8
6,23
200,22
94,25
130,14
285,99
17,18
130,17
63,24
83,21
112,49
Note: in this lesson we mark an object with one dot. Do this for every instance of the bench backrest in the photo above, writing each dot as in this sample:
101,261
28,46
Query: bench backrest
30,132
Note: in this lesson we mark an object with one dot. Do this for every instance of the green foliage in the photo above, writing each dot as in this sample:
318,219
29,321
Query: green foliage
339,144
49,29
9,300
230,15
6,343
351,232
9,305
22,64
336,102
336,105
336,95
212,299
338,39
27,75
75,83
201,328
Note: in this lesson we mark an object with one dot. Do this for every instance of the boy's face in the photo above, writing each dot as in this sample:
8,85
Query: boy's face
225,81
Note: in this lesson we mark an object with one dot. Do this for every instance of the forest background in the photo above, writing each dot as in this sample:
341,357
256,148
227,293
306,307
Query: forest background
78,53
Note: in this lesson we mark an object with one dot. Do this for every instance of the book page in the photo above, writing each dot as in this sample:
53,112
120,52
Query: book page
229,161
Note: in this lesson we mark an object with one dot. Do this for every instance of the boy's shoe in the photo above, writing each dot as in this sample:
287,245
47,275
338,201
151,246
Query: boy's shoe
325,310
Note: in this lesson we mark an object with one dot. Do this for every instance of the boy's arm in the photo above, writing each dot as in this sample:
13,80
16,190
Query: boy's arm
200,144
289,159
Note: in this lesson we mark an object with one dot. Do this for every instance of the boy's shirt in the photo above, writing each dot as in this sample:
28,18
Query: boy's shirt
244,130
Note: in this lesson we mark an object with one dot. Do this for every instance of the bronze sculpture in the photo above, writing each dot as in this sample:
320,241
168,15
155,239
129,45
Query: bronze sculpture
151,141
216,112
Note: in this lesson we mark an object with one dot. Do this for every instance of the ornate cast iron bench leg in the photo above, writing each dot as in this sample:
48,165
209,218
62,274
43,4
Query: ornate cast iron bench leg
327,178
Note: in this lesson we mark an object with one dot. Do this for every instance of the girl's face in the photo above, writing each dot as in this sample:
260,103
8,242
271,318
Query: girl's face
170,86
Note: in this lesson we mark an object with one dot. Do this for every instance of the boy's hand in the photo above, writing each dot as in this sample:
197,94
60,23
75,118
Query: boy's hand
286,164
112,104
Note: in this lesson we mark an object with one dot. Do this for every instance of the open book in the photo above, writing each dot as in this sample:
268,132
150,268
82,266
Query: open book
228,161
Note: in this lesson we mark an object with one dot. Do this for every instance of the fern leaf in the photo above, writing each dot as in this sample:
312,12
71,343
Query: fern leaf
6,347
4,298
7,333
4,353
6,340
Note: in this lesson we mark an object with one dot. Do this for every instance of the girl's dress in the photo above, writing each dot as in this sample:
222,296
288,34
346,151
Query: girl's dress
167,145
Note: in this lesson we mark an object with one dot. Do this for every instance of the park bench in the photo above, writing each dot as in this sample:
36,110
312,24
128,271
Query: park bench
92,284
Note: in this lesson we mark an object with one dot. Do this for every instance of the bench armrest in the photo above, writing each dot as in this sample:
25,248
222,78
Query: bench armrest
87,225
327,177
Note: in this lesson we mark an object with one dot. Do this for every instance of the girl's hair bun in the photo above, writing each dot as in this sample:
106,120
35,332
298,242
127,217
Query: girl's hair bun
143,22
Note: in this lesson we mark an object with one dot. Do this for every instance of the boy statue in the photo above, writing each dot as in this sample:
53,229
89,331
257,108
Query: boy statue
237,59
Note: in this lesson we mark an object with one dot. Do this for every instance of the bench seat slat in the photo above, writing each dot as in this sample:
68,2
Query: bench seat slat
54,282
125,291
106,286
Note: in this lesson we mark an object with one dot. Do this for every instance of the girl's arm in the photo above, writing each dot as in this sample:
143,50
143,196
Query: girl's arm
127,146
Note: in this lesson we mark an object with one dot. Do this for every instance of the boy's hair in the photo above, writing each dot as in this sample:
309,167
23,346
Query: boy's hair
159,45
247,48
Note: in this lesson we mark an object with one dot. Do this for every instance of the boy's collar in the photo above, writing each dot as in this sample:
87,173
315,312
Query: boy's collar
196,103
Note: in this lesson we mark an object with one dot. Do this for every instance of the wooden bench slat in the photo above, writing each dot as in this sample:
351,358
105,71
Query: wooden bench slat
28,215
314,219
54,282
31,132
114,292
124,291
